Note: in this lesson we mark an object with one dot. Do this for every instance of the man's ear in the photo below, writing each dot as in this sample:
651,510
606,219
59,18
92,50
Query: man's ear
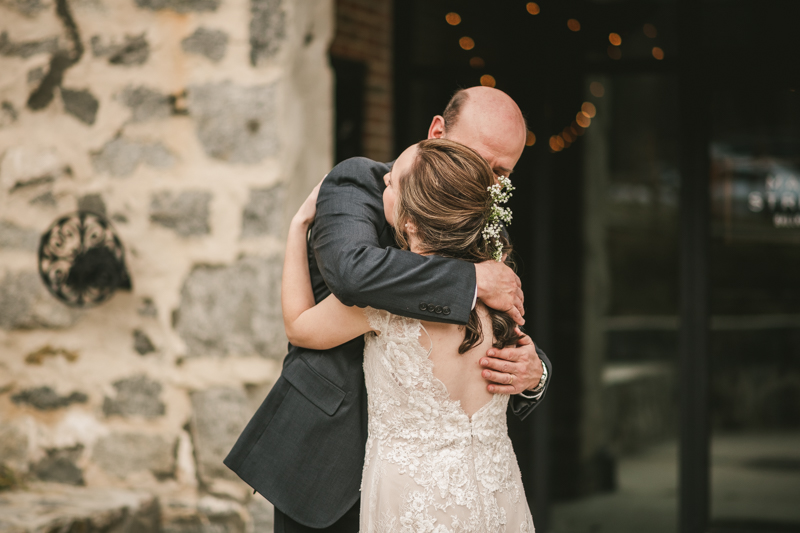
436,131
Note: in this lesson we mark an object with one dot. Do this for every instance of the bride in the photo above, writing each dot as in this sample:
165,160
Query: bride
438,456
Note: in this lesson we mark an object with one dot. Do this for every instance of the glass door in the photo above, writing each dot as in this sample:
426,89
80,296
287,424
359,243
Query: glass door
755,305
630,308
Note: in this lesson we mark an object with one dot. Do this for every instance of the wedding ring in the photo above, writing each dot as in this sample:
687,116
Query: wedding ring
511,381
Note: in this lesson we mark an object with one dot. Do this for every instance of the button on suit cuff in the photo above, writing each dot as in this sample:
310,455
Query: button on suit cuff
432,308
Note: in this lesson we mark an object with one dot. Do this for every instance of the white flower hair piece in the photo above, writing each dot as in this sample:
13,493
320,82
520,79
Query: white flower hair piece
498,216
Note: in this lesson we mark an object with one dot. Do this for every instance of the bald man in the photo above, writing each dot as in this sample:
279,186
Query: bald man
303,450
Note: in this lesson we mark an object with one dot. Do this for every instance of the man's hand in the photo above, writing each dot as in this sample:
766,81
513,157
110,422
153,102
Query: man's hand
500,288
513,369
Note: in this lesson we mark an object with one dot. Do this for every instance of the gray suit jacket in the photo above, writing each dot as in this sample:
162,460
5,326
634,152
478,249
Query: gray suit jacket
303,450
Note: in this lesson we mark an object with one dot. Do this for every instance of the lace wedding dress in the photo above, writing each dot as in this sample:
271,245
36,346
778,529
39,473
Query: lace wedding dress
428,466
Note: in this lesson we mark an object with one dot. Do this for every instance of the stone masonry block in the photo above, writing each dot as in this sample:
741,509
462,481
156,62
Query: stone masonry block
46,399
134,50
8,114
235,123
29,8
120,156
80,104
180,6
124,453
27,48
267,29
26,304
218,416
59,466
233,309
263,214
209,43
142,343
187,213
63,508
36,75
137,395
146,103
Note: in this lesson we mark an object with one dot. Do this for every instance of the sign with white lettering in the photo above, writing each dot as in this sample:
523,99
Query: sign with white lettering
755,192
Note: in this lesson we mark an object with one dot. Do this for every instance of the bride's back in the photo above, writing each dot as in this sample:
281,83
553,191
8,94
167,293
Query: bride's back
447,203
460,373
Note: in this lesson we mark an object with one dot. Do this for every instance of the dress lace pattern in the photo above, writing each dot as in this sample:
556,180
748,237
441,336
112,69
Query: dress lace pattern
429,467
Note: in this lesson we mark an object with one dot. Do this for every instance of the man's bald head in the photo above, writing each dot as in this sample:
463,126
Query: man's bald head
488,121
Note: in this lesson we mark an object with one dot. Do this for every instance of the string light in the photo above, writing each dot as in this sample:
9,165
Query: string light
454,19
583,119
466,43
477,62
570,134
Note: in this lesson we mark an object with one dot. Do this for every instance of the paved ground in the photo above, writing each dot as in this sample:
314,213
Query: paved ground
755,477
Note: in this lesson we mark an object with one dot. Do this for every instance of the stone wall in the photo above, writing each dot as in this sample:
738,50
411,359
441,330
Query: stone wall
196,127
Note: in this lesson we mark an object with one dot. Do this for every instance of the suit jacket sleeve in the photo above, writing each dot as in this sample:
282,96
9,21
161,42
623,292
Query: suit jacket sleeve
353,246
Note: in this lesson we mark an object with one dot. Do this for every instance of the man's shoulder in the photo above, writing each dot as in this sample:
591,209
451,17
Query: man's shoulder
359,171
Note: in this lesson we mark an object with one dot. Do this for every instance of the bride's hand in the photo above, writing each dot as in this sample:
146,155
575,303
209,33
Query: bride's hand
305,215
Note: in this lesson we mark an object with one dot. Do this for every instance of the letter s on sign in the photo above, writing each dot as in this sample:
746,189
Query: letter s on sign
755,202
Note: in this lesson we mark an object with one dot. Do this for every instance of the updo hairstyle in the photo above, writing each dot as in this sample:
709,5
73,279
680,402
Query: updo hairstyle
445,194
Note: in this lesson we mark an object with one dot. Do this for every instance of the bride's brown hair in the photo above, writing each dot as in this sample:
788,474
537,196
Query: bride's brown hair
445,195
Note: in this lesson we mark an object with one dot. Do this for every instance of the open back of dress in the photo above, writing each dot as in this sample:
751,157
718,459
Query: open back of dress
428,467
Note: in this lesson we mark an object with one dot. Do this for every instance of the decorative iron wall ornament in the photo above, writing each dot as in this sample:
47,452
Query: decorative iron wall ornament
82,261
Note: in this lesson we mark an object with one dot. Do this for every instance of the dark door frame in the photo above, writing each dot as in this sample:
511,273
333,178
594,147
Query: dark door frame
693,357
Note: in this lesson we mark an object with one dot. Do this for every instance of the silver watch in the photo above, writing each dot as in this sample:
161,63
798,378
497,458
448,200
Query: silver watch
542,381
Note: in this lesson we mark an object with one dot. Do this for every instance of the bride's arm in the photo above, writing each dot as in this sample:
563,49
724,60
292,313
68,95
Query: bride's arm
317,327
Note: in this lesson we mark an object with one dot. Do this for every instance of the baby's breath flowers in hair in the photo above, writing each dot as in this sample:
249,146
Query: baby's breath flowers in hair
500,192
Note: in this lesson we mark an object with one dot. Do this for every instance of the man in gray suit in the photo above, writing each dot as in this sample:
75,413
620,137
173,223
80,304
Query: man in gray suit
303,450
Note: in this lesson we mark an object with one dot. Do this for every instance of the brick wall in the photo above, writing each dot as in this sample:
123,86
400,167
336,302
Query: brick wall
364,33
